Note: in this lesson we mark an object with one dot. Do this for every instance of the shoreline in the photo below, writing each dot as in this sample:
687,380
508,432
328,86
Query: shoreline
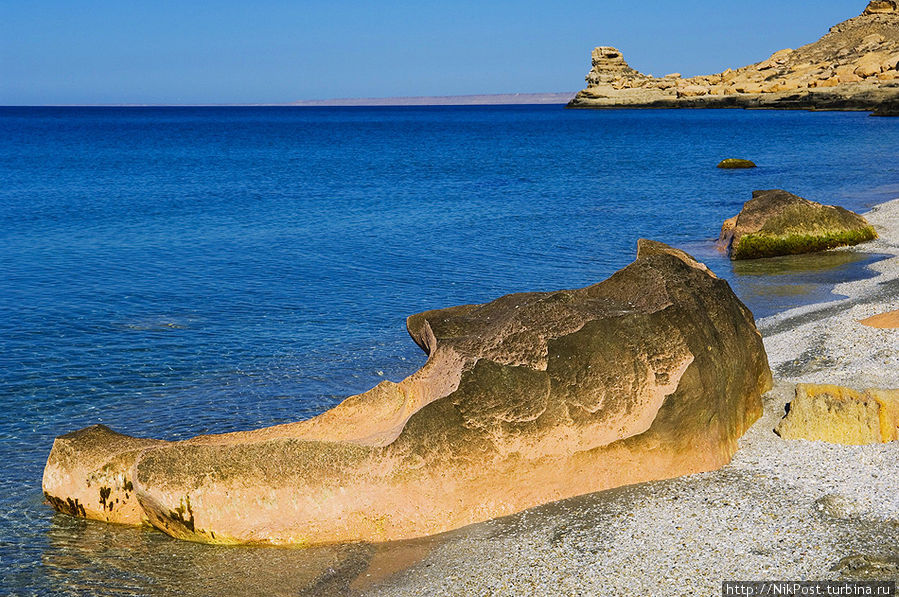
782,509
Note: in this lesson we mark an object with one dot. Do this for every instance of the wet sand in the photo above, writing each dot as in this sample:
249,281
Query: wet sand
780,510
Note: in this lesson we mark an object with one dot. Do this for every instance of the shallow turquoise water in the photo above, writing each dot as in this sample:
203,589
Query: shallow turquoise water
170,272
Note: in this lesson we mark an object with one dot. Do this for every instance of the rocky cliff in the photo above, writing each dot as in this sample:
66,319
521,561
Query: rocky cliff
854,67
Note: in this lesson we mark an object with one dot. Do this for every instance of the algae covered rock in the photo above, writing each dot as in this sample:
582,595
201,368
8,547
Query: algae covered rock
841,415
735,164
776,222
534,397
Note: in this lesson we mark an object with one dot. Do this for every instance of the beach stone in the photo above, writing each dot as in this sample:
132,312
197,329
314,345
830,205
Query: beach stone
868,567
838,506
534,397
735,164
888,320
841,415
776,222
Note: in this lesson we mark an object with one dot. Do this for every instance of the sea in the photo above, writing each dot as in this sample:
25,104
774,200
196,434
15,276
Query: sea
170,272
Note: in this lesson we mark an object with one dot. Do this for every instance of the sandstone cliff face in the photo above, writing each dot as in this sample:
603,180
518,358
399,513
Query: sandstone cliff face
653,373
853,67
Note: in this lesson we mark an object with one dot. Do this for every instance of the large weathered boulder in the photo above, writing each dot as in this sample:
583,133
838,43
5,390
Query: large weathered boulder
776,222
653,373
842,415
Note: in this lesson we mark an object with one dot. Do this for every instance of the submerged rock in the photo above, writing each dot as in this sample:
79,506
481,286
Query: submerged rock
735,163
776,222
653,373
868,567
841,415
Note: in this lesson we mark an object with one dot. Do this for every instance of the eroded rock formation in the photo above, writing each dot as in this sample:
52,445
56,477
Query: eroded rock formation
653,373
842,415
776,222
853,67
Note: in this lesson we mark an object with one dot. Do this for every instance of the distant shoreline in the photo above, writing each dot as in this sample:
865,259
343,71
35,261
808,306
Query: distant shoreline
497,99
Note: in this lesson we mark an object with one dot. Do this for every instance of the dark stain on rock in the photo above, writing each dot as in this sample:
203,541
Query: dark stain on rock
128,487
104,497
178,514
66,506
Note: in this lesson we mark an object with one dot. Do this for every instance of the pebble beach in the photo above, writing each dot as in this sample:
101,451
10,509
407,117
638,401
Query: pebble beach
787,510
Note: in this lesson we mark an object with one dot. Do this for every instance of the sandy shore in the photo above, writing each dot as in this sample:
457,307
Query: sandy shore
781,510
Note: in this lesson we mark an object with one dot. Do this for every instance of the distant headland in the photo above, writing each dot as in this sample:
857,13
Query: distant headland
447,100
855,66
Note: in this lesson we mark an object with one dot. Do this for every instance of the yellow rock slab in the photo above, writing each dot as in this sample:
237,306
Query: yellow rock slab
842,415
889,320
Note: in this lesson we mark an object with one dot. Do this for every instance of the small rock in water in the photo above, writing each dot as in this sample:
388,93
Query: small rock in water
735,164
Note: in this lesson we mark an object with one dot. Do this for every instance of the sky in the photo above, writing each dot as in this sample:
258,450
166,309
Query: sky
275,51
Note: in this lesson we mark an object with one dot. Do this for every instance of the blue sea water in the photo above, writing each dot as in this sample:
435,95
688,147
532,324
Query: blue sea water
176,271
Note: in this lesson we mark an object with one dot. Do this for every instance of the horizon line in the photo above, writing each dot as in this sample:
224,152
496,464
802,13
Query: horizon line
485,99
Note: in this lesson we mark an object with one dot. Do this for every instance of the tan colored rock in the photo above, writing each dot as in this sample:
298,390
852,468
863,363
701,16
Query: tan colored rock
873,39
845,58
891,62
841,415
831,82
782,56
785,85
534,397
89,474
845,69
870,64
889,320
608,65
881,7
692,91
673,76
890,75
850,78
750,88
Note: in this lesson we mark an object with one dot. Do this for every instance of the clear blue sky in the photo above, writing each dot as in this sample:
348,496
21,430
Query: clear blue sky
217,51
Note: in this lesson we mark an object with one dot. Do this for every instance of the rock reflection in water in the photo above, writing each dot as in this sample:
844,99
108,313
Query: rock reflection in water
90,558
775,284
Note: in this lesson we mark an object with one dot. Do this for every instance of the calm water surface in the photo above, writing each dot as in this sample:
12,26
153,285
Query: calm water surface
170,272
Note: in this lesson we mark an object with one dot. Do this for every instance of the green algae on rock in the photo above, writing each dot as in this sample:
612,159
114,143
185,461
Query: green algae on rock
735,164
531,398
776,222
